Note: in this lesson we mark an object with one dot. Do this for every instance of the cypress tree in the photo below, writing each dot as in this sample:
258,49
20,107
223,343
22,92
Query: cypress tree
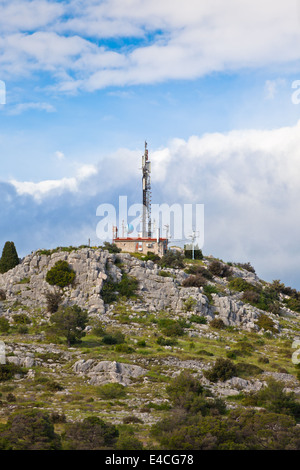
9,258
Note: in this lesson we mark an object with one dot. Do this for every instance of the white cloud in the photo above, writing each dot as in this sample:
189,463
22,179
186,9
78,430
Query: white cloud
24,15
23,107
55,188
175,40
60,155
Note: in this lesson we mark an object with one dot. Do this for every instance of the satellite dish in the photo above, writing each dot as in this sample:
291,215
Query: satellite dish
130,228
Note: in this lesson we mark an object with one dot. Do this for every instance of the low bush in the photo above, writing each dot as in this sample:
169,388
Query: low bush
124,348
191,253
219,269
199,270
91,434
247,267
127,287
21,319
166,341
2,294
171,327
189,304
111,391
239,284
4,325
266,323
217,323
113,337
194,281
29,430
223,370
198,319
245,370
8,371
111,247
54,300
172,259
61,274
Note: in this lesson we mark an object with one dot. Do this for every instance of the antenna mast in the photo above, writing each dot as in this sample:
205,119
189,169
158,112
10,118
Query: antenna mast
146,168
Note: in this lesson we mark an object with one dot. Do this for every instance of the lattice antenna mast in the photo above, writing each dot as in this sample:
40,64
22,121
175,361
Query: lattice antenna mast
146,169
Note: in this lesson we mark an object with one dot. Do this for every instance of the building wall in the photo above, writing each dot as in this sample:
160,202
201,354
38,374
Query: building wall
142,245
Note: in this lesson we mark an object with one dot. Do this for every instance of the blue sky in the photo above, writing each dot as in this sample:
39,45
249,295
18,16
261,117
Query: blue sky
207,84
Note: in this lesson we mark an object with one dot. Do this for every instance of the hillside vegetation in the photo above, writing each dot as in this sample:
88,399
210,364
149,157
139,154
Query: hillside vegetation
110,350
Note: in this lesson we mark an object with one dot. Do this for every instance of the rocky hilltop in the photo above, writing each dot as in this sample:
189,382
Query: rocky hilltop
213,316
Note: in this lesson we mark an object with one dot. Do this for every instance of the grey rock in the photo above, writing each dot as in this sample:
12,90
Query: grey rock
103,372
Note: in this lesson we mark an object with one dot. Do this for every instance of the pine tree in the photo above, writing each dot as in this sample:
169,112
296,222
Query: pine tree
9,257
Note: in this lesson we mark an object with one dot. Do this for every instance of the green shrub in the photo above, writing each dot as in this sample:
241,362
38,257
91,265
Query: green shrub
188,394
54,300
231,354
194,281
111,247
239,284
210,289
189,304
223,370
125,288
8,371
199,270
264,299
61,274
293,304
263,360
172,259
91,434
217,323
29,430
4,325
275,399
251,297
198,319
203,352
111,391
23,329
219,269
21,319
266,323
2,295
69,322
127,442
166,341
170,327
115,337
164,274
245,370
188,252
151,257
247,267
132,419
124,348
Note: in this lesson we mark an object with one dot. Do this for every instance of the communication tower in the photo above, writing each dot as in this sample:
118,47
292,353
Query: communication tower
146,220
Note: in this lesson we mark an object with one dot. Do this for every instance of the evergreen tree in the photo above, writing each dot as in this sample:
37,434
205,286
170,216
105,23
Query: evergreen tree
9,257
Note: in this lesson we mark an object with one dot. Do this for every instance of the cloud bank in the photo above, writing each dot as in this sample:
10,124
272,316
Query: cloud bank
248,181
88,45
